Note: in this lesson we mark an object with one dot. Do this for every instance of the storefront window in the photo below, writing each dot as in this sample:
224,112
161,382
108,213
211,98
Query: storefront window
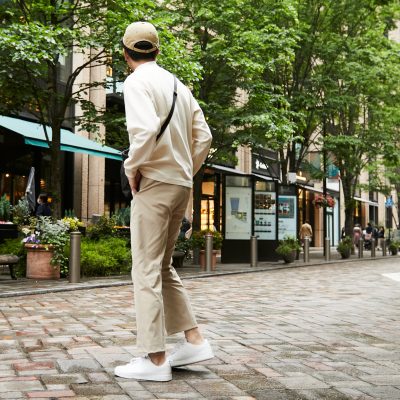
287,212
265,210
238,219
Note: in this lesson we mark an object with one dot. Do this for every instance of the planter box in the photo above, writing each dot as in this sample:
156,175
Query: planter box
202,259
38,265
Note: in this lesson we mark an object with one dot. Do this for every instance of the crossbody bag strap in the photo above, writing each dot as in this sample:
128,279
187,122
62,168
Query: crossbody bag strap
166,122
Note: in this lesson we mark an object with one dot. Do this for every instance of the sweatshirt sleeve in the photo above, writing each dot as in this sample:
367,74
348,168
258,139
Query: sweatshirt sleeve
142,123
201,137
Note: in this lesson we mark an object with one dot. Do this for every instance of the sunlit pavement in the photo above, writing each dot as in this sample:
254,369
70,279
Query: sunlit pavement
327,331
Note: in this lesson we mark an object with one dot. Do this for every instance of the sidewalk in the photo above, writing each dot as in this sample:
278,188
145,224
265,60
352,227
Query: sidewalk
23,286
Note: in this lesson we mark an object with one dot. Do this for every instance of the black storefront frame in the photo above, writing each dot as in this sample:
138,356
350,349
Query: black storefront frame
238,250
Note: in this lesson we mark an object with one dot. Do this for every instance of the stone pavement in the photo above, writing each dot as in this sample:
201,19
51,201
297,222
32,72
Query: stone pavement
328,331
9,288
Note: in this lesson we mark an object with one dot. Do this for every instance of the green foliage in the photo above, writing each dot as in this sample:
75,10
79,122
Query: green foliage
104,228
105,257
197,240
73,223
5,209
287,246
54,233
394,246
123,217
21,212
345,246
184,245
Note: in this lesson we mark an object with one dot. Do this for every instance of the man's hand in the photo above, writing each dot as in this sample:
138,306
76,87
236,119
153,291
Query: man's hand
135,182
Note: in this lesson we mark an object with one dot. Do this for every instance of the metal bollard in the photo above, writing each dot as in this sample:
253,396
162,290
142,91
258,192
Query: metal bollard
327,249
306,250
209,251
253,251
373,249
75,258
361,248
384,247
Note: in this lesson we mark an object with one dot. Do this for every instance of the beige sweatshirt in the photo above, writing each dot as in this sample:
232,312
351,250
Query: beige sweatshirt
185,143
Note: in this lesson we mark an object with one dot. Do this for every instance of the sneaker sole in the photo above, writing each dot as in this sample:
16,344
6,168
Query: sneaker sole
157,378
192,360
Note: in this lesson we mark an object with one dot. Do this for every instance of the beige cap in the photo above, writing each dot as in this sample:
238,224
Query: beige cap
141,32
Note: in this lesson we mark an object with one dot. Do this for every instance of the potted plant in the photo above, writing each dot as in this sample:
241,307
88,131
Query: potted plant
394,247
181,251
321,201
288,248
345,247
45,248
198,240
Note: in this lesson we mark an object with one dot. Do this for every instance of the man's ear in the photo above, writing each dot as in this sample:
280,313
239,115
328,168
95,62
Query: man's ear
126,55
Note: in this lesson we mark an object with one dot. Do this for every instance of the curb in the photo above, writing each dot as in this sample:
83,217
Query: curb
94,285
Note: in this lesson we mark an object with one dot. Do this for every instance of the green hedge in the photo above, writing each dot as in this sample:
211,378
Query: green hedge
105,257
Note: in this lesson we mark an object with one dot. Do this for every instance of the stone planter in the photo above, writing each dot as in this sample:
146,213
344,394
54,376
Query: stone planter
345,253
38,265
289,257
177,259
202,259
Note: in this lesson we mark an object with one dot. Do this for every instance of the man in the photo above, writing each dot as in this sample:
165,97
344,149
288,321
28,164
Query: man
160,174
305,231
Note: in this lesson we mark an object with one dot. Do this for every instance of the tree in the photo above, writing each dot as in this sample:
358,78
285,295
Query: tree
360,79
38,35
235,42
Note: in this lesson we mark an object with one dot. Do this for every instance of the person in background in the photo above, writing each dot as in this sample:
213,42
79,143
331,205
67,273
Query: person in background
356,234
43,209
381,237
305,231
343,233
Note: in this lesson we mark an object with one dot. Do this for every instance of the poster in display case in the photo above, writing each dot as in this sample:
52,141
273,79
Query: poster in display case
265,215
287,216
238,213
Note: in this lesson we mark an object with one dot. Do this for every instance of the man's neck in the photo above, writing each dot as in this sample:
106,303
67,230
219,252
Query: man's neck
135,64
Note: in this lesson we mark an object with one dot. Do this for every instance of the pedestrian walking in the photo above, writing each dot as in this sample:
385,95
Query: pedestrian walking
160,171
356,234
305,231
381,237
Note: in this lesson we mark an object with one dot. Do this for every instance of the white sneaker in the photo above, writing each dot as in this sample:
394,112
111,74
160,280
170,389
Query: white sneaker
186,353
144,369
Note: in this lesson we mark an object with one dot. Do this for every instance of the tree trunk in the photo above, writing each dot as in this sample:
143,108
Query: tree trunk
55,180
348,184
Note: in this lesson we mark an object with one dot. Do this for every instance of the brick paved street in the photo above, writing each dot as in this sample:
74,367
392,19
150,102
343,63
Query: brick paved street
318,332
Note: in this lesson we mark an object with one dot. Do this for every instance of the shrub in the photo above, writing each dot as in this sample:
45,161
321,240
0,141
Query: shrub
102,229
197,240
21,212
287,246
105,257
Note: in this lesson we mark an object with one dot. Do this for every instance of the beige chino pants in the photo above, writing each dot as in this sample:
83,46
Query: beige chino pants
161,302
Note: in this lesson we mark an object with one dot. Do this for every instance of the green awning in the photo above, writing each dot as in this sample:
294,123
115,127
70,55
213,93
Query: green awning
33,134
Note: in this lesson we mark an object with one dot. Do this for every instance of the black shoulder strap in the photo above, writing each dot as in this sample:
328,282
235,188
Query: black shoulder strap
166,122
